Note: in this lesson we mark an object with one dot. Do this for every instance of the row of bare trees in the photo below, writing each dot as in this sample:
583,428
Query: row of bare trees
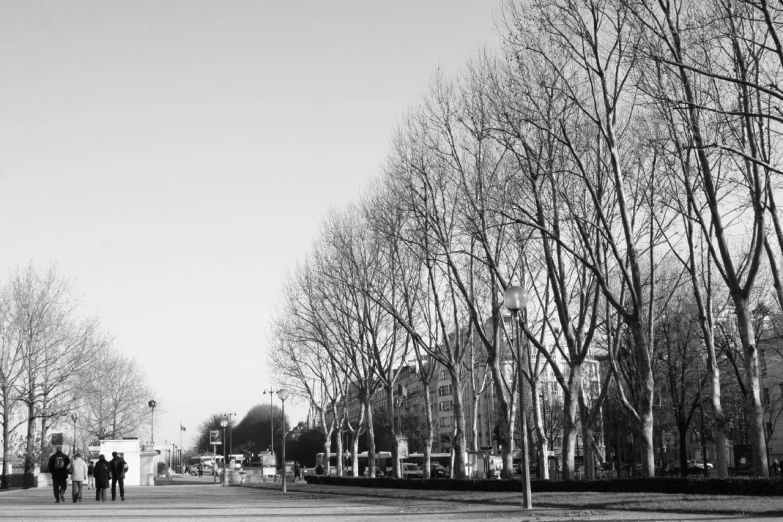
54,363
613,154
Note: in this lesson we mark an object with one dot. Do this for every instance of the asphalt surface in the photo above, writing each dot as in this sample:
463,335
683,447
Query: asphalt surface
200,499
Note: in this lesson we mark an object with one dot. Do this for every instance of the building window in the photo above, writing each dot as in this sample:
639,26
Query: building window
444,391
766,396
446,405
445,422
443,375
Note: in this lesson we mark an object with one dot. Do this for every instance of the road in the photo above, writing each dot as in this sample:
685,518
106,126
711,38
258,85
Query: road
193,499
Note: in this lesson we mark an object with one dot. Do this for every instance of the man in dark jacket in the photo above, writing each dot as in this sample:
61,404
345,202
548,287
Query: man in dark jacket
58,467
102,475
118,468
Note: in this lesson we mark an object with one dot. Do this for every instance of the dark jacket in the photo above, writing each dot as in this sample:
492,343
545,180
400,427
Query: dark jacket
91,469
61,473
118,466
102,474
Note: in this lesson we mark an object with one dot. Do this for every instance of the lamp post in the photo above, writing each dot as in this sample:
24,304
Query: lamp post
152,405
223,424
229,415
271,391
74,417
515,300
283,394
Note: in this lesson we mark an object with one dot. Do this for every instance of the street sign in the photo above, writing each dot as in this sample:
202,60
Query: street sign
214,437
57,439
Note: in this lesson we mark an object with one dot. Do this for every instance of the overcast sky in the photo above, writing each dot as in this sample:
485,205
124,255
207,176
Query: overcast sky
175,158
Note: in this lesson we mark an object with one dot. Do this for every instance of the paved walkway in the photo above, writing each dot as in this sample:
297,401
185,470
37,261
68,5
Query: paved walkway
194,499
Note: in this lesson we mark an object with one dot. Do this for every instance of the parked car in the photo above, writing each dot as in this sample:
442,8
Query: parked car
378,472
206,470
438,471
691,469
516,466
411,470
698,464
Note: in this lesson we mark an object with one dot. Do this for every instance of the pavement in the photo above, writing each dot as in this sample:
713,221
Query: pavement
191,498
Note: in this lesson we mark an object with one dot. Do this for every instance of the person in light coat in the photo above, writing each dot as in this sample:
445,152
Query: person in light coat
78,476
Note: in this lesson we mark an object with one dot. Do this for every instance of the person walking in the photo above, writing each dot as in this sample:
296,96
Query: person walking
102,476
78,476
118,468
200,469
91,475
58,467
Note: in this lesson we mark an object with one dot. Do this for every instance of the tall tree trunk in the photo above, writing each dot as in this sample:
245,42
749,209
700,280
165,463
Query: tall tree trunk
370,438
506,409
6,442
753,405
327,429
543,446
429,434
570,420
29,454
395,449
459,423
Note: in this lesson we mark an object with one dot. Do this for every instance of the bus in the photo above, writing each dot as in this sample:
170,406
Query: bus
320,463
440,463
382,462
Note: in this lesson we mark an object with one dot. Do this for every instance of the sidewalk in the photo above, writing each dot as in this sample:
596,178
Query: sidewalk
191,498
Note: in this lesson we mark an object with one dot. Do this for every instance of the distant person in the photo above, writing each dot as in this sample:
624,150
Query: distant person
58,467
774,469
78,476
118,468
102,475
91,475
200,469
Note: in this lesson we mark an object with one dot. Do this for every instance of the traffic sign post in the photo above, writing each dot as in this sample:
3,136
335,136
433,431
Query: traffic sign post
214,439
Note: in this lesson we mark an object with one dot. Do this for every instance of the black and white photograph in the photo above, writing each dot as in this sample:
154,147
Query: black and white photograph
391,260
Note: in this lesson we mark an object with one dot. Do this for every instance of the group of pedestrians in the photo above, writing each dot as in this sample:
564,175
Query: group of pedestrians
97,475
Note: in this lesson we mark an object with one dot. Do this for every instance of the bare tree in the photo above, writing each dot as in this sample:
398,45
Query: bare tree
114,393
714,68
55,345
303,361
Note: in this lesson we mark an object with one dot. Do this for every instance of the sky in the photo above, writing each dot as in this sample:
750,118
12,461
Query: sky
176,158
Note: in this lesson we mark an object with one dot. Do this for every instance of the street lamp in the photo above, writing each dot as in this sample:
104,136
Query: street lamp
223,424
230,433
283,394
152,405
74,417
515,299
270,391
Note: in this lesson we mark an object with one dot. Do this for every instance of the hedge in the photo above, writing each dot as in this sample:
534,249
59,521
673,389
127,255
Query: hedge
745,486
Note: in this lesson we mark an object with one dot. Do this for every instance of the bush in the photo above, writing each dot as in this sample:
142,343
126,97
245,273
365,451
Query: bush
163,469
744,486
